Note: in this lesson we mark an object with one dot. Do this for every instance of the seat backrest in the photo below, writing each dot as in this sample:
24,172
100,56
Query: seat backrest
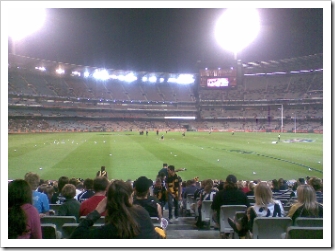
308,222
68,228
189,200
206,210
49,231
101,220
228,211
295,232
55,207
58,221
270,227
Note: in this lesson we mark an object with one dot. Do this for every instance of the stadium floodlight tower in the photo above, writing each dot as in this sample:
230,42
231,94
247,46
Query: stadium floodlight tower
237,28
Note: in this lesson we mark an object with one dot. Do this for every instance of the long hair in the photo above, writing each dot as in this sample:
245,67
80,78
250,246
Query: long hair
19,193
120,210
208,185
263,194
307,197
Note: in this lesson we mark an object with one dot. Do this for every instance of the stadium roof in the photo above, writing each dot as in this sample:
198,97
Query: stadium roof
306,63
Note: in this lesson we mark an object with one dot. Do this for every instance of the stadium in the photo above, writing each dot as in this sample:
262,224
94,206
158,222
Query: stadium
259,120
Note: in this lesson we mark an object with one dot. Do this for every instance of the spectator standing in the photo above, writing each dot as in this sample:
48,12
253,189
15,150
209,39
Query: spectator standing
173,186
23,217
159,192
100,185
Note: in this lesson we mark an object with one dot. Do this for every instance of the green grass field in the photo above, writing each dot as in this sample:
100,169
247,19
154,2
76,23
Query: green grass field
128,155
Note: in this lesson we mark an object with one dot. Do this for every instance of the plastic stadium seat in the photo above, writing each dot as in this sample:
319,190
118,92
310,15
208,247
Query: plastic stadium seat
295,232
101,220
55,207
58,221
308,222
228,211
49,231
270,227
68,228
207,212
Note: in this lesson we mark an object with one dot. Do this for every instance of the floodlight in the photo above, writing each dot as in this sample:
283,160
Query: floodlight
144,79
86,74
130,77
185,79
161,80
237,28
172,80
23,22
153,79
101,74
60,71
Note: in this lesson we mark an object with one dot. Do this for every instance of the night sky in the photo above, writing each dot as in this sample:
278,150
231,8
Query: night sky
166,40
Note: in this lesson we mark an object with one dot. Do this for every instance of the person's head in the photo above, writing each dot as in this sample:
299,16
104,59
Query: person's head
301,181
171,170
275,184
208,185
142,185
165,165
47,189
158,182
69,191
103,168
316,183
306,194
263,194
88,184
100,184
19,193
251,186
120,209
161,175
62,181
33,180
231,182
74,181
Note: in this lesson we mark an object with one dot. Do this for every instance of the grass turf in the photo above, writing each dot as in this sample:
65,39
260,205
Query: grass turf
128,155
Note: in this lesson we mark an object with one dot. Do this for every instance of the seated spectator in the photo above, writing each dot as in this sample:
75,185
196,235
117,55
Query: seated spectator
123,220
282,184
230,195
307,205
57,198
143,198
245,188
23,217
207,193
46,189
189,190
71,206
275,186
265,206
159,192
88,190
316,183
40,200
251,189
100,185
102,172
77,184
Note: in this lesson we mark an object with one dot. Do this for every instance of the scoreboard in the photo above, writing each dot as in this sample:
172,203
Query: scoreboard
218,78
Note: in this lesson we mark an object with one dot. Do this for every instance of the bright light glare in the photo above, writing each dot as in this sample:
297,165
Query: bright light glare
60,71
23,22
185,79
153,79
237,28
130,77
101,74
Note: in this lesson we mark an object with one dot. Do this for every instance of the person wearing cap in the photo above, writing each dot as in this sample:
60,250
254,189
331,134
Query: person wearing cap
173,187
230,195
143,198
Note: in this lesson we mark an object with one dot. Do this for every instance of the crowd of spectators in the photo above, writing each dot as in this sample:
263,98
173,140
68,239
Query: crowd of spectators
30,199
